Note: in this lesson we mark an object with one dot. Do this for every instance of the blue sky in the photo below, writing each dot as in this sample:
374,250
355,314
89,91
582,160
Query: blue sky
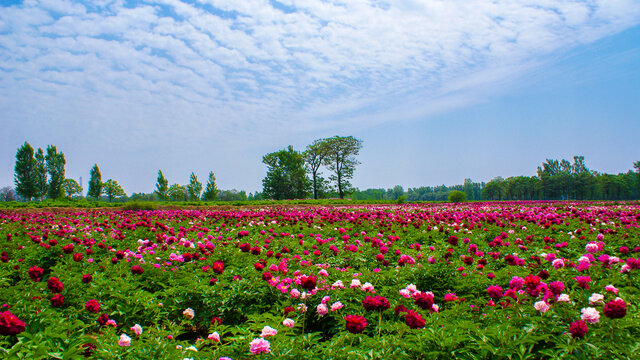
437,90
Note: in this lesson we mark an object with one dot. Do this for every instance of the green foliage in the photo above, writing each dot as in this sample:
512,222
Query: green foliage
177,193
162,187
140,205
40,174
314,156
113,190
457,196
95,183
286,177
24,172
55,163
71,188
340,159
211,190
194,188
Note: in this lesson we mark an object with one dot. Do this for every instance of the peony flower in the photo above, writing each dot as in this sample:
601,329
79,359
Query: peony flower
615,309
259,346
541,306
414,320
188,313
288,322
595,299
611,288
578,329
268,331
57,300
424,300
355,323
590,315
35,273
86,278
137,269
137,329
556,287
336,306
10,324
583,281
495,292
124,340
322,309
55,285
563,298
355,283
92,306
215,337
377,303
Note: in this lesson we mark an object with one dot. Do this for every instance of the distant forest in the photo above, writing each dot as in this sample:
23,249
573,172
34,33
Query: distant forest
555,180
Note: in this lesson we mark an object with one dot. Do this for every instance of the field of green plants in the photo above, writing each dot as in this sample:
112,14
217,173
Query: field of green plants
500,280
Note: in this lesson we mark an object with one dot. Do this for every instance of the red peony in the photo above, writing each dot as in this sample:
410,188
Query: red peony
55,285
137,269
424,300
102,319
86,278
414,320
376,303
355,323
308,282
10,324
218,267
57,300
88,349
578,329
615,309
495,292
77,257
216,321
531,281
35,273
92,306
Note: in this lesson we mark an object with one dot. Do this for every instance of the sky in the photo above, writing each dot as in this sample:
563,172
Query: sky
438,91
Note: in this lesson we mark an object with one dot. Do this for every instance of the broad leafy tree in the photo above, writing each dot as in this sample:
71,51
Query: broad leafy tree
113,190
40,174
95,183
177,192
162,187
194,188
7,193
314,156
286,177
24,172
55,163
341,160
71,188
211,190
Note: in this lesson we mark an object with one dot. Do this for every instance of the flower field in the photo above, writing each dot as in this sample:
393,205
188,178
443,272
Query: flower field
521,280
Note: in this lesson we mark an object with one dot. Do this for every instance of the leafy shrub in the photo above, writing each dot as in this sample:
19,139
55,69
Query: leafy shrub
457,196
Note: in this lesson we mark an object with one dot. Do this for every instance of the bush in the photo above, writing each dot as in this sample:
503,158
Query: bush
140,205
457,196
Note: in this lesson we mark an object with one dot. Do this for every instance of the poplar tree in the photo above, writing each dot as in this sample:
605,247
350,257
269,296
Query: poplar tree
40,174
55,167
95,183
24,172
194,188
162,187
211,191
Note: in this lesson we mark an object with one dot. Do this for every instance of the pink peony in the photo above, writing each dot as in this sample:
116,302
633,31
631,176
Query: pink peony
259,346
124,340
590,315
188,313
288,322
268,331
215,337
541,306
137,329
336,306
322,309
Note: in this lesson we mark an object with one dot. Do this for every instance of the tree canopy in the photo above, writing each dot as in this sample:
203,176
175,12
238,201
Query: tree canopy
286,177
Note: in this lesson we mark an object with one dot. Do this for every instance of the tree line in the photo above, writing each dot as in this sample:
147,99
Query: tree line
293,174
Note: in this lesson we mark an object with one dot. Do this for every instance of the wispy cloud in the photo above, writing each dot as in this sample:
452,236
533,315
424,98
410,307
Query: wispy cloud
267,66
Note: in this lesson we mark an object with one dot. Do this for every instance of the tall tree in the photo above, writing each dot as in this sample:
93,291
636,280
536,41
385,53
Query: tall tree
341,159
286,177
636,165
95,183
113,190
55,167
71,188
314,157
162,186
24,172
194,188
211,191
40,174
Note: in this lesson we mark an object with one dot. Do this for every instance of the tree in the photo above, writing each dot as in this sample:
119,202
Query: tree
636,165
95,183
162,187
341,160
7,194
40,174
24,172
286,177
457,196
211,191
112,189
194,188
314,157
71,188
177,192
55,167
